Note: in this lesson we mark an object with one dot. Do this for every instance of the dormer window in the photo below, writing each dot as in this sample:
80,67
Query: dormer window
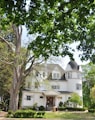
36,84
28,85
56,76
69,74
44,74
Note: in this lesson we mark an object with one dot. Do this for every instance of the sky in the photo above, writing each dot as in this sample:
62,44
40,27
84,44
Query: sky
63,61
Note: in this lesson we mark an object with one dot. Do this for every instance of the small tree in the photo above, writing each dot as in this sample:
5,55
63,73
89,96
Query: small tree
75,99
92,96
92,93
88,83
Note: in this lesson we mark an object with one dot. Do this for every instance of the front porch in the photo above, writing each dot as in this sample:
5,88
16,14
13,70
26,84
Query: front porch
51,99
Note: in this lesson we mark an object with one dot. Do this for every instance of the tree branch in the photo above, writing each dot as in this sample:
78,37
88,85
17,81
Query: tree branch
9,63
1,38
28,70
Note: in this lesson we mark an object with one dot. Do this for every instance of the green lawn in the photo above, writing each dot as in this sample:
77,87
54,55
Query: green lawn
61,116
69,115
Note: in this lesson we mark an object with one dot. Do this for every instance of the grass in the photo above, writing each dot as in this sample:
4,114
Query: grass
70,115
62,116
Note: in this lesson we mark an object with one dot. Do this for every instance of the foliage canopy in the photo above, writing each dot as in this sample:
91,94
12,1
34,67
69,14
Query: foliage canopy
55,23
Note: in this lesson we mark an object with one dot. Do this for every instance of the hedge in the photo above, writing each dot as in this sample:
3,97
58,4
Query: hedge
27,114
70,109
91,110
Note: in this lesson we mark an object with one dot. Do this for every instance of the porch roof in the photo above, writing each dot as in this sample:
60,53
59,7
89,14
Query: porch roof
65,92
51,93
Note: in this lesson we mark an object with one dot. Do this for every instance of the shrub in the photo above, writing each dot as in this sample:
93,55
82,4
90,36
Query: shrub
61,108
75,109
10,114
40,114
60,104
27,108
26,114
34,107
91,110
41,108
70,109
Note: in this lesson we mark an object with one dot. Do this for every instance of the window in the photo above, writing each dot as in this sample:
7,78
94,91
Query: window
29,85
56,76
78,86
69,74
36,84
79,75
55,87
28,97
41,96
43,74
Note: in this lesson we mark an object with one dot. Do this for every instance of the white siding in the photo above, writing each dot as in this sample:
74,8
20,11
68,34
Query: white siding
34,99
68,85
62,85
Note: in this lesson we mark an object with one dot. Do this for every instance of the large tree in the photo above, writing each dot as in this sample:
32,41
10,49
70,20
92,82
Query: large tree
55,24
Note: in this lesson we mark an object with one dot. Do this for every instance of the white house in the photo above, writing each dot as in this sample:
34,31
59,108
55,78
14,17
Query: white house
49,84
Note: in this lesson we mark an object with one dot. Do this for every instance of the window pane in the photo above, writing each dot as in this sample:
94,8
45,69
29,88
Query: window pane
28,97
55,87
69,74
43,74
78,86
56,76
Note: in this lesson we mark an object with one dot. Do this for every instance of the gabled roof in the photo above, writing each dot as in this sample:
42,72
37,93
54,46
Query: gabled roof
49,67
65,92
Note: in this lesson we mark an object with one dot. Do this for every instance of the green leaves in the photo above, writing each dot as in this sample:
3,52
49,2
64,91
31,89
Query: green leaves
75,98
88,83
5,69
53,20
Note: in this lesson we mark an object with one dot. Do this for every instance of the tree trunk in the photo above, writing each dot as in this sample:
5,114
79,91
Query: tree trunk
13,100
19,70
14,93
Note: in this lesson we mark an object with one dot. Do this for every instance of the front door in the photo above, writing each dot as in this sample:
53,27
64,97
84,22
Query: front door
50,102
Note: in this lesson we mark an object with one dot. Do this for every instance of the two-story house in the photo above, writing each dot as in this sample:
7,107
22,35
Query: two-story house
49,84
